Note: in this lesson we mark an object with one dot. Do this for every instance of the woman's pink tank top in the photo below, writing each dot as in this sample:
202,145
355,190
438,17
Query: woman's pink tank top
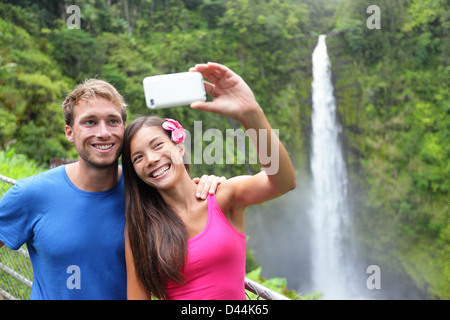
215,265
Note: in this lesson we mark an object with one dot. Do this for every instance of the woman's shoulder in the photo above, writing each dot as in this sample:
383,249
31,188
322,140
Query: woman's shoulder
227,191
225,197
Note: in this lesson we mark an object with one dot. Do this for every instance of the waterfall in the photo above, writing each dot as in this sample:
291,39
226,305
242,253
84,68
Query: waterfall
310,236
332,272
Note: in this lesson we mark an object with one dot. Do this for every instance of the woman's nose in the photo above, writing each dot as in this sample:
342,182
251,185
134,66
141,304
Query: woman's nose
151,158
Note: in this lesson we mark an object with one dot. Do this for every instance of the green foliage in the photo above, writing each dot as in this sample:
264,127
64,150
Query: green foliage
17,166
72,49
31,90
400,141
278,285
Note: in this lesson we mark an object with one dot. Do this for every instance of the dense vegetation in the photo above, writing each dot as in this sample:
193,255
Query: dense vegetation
391,85
395,104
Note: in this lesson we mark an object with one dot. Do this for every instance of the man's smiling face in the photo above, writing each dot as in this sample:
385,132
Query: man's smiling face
97,132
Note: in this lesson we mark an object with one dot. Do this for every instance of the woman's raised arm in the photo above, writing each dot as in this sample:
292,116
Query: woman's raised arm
234,98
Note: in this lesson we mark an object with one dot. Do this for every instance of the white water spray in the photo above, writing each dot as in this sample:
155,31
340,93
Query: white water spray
331,269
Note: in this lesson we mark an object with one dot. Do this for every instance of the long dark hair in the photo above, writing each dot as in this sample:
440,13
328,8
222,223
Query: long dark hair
157,235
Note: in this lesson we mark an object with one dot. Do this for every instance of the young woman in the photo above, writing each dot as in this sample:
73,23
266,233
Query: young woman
178,247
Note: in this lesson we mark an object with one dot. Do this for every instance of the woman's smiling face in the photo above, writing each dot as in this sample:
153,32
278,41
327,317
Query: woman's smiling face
156,159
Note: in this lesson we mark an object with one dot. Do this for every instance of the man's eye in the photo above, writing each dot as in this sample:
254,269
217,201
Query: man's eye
90,122
114,122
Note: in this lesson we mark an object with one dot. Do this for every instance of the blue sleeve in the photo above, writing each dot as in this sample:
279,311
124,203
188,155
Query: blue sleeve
15,218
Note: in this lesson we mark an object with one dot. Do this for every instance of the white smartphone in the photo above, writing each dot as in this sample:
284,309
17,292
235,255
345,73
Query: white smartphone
172,90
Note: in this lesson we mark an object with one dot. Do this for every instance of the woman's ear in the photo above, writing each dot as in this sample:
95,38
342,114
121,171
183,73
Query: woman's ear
182,148
177,153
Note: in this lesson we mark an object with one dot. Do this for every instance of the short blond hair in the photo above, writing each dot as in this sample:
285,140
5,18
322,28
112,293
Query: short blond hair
91,89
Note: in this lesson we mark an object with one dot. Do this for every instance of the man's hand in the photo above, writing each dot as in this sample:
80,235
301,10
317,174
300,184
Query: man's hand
207,184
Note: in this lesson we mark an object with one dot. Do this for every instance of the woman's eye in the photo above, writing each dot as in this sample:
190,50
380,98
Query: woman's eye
137,159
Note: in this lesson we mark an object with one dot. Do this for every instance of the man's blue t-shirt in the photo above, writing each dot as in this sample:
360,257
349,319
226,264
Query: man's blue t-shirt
74,238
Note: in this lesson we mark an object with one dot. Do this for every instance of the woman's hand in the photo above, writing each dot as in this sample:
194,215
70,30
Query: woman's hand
232,97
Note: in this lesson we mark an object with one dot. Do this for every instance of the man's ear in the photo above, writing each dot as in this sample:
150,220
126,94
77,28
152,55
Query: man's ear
69,133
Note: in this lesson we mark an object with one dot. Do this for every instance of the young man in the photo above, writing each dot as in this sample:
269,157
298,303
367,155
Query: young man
72,217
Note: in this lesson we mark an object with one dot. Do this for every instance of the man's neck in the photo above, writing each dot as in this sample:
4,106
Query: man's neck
91,179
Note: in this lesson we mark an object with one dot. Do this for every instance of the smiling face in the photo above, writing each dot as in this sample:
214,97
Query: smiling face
155,158
97,132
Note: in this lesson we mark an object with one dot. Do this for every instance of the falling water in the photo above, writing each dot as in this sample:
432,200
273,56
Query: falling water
309,235
329,214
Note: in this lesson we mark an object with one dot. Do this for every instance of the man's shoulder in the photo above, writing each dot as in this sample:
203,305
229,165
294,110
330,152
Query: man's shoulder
42,180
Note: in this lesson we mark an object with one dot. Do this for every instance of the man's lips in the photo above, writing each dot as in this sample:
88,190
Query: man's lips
103,147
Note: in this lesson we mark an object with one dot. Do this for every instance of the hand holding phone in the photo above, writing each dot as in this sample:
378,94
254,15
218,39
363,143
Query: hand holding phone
172,90
232,97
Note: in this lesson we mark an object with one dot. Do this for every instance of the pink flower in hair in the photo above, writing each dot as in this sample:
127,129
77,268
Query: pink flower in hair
178,132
